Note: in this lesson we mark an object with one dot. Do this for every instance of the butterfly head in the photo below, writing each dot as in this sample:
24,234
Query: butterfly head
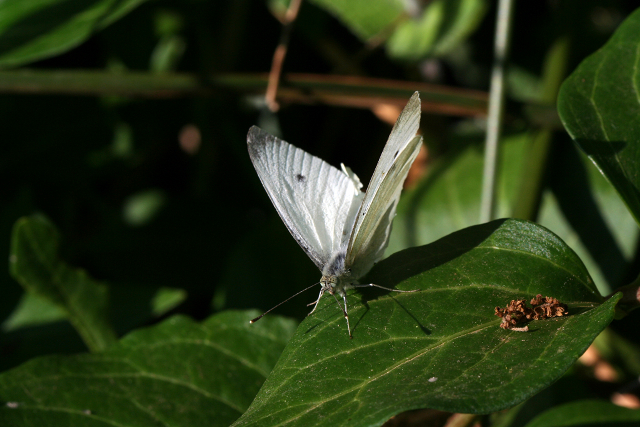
335,284
329,283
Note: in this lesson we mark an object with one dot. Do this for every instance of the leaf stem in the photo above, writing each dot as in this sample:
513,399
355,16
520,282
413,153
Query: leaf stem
496,108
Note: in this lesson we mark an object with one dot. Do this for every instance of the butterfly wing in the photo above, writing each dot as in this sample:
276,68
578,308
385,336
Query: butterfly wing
372,227
316,201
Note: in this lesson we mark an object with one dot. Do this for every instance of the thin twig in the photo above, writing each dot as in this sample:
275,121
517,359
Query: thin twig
319,89
279,55
496,109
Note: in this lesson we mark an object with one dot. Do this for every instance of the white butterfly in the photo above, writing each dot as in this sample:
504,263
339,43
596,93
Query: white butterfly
343,230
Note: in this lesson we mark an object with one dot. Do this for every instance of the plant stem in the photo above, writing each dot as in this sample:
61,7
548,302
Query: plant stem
279,55
496,108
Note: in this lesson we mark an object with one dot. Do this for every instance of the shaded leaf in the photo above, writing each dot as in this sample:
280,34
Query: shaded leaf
364,18
587,413
599,105
178,373
167,299
448,199
580,206
588,214
440,28
413,30
440,348
35,264
33,309
33,30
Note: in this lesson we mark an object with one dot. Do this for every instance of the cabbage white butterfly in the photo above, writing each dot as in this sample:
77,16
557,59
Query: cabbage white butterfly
343,230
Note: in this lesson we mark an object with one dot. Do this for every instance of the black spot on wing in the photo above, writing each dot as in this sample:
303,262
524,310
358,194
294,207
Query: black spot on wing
395,156
301,178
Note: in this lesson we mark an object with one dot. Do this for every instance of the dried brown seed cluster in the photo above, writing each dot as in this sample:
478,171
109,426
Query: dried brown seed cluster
517,314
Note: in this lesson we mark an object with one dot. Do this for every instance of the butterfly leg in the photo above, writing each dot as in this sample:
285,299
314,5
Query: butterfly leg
344,310
315,302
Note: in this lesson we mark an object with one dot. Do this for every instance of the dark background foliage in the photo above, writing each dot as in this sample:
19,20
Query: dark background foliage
140,211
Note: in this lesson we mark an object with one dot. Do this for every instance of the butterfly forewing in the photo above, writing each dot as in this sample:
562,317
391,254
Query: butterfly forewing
370,233
316,201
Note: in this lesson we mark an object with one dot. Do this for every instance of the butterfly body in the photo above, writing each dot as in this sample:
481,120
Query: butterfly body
343,230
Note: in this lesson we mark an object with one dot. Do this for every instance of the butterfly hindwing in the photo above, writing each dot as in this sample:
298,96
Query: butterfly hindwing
372,227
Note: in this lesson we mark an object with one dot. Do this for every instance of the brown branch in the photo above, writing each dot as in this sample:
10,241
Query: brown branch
279,55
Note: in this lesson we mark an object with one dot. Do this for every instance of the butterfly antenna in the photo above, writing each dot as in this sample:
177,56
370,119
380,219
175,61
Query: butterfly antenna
381,287
278,305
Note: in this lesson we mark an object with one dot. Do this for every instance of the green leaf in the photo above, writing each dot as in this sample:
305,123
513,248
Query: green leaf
142,207
33,30
599,105
412,31
587,413
441,348
364,18
167,299
177,373
33,309
34,262
442,26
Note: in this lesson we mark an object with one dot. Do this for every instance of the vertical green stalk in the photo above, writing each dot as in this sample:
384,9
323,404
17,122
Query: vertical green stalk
496,108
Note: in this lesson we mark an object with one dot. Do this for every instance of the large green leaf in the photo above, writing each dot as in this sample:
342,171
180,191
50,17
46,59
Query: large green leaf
178,373
34,262
33,30
599,105
440,348
587,413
